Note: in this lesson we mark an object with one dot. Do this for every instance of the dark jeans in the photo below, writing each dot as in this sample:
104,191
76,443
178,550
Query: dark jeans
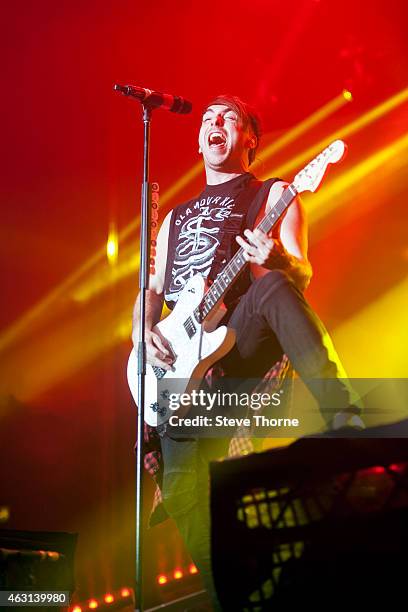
186,498
271,318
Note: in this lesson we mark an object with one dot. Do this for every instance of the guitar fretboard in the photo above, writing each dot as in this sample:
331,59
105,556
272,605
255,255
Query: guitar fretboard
232,270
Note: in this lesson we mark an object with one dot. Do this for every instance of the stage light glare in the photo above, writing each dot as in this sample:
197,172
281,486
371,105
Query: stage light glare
368,354
125,592
112,245
347,95
53,556
193,569
77,609
109,598
377,470
178,574
92,604
4,514
397,467
162,579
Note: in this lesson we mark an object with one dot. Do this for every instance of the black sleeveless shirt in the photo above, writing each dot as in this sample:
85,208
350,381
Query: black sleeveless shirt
197,227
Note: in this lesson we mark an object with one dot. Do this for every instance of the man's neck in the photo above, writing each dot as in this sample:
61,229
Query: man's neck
216,177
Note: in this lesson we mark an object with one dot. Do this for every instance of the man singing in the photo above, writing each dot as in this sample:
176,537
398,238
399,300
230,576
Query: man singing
265,307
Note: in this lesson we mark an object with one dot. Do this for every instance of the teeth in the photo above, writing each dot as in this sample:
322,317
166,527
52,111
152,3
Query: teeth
216,138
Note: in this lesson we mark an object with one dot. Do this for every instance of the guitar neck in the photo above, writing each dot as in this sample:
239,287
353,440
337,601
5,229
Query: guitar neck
232,270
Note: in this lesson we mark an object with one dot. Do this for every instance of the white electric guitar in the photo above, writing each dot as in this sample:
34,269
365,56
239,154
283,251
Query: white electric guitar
195,349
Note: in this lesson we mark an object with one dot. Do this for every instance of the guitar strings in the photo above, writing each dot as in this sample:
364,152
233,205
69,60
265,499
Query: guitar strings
214,294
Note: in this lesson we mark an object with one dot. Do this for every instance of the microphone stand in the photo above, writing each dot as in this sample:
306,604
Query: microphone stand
141,349
149,99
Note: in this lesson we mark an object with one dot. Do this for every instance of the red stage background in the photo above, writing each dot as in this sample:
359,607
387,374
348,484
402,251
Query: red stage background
71,163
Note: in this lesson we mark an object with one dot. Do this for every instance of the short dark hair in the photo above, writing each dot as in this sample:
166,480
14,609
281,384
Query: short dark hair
246,113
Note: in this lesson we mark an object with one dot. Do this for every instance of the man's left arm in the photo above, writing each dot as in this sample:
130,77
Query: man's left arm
288,252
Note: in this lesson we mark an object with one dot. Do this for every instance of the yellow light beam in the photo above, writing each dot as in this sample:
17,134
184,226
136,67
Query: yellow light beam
47,304
34,367
302,127
353,127
373,343
325,201
102,277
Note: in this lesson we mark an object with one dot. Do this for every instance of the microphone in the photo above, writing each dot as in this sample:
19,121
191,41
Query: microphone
155,99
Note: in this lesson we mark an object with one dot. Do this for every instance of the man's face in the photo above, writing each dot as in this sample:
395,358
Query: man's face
223,140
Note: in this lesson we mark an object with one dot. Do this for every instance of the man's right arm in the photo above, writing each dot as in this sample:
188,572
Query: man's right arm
157,352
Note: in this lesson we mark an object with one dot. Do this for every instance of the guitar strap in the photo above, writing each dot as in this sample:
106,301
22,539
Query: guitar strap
243,215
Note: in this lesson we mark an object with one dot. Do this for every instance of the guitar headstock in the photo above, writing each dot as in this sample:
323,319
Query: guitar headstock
311,176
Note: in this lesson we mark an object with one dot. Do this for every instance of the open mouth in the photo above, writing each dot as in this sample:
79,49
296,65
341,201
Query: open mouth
216,140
